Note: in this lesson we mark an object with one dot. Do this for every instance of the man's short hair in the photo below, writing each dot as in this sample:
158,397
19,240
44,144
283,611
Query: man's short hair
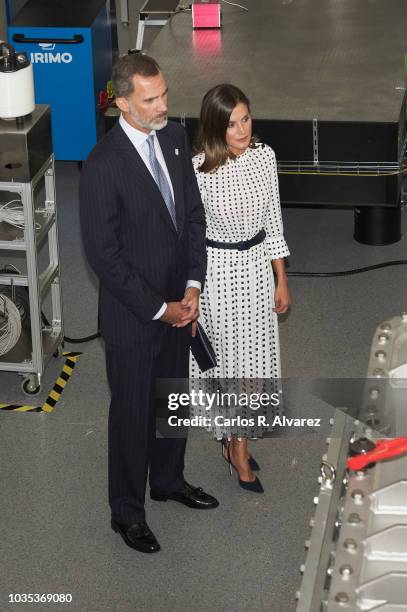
126,67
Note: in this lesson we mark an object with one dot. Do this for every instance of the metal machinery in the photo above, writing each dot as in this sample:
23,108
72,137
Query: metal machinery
357,553
27,173
69,45
338,131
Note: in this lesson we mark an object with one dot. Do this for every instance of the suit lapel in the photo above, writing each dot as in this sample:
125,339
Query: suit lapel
172,161
137,167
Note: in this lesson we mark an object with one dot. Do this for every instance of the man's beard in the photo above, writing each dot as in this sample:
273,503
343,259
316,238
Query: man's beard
153,124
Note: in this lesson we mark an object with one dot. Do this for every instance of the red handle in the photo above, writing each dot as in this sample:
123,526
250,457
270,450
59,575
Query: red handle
385,449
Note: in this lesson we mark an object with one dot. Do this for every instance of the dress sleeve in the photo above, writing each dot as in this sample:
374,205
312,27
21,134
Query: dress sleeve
275,241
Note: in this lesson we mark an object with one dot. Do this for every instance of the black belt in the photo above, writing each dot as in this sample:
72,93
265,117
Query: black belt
244,245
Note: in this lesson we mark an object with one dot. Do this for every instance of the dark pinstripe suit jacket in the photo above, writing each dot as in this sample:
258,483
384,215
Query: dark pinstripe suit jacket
130,241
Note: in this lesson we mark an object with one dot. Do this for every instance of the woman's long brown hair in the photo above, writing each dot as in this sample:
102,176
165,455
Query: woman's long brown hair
217,106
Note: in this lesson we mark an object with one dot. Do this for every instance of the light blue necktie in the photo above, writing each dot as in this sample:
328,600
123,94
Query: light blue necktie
161,179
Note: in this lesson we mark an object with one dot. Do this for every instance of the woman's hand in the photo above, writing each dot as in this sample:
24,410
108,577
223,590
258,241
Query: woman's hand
282,297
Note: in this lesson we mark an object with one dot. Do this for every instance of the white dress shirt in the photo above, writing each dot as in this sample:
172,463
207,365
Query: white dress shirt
139,141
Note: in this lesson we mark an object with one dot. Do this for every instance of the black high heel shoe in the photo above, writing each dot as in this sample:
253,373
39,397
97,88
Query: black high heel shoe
255,485
254,466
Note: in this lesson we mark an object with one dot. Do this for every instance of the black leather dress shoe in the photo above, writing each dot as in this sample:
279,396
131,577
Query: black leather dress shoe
194,497
138,536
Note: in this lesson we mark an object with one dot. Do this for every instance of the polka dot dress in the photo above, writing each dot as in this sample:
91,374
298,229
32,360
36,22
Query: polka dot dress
240,199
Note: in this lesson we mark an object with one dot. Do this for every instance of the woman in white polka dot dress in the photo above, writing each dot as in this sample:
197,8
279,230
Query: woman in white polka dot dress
238,181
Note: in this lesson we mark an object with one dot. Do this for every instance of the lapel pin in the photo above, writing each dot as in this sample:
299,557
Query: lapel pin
176,151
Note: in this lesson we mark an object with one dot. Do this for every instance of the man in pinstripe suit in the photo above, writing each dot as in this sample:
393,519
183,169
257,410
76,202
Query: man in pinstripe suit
143,227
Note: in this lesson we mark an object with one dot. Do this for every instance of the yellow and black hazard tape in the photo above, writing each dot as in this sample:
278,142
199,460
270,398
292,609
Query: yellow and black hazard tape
59,386
56,391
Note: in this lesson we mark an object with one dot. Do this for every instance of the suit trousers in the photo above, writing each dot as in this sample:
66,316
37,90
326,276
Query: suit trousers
133,447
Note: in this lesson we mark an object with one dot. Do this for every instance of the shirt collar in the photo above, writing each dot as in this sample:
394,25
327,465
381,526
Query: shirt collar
137,137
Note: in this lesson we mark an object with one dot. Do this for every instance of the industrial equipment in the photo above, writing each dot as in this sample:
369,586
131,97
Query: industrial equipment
16,83
69,46
338,131
357,553
27,177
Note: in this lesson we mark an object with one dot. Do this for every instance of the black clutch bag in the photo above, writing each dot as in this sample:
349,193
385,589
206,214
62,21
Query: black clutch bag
202,350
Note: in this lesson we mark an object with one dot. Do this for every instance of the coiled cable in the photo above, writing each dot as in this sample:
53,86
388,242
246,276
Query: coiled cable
12,212
10,324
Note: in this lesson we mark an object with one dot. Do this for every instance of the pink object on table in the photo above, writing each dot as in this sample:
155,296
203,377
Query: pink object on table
206,14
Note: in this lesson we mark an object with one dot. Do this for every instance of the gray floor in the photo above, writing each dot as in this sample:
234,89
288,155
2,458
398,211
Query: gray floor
244,555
